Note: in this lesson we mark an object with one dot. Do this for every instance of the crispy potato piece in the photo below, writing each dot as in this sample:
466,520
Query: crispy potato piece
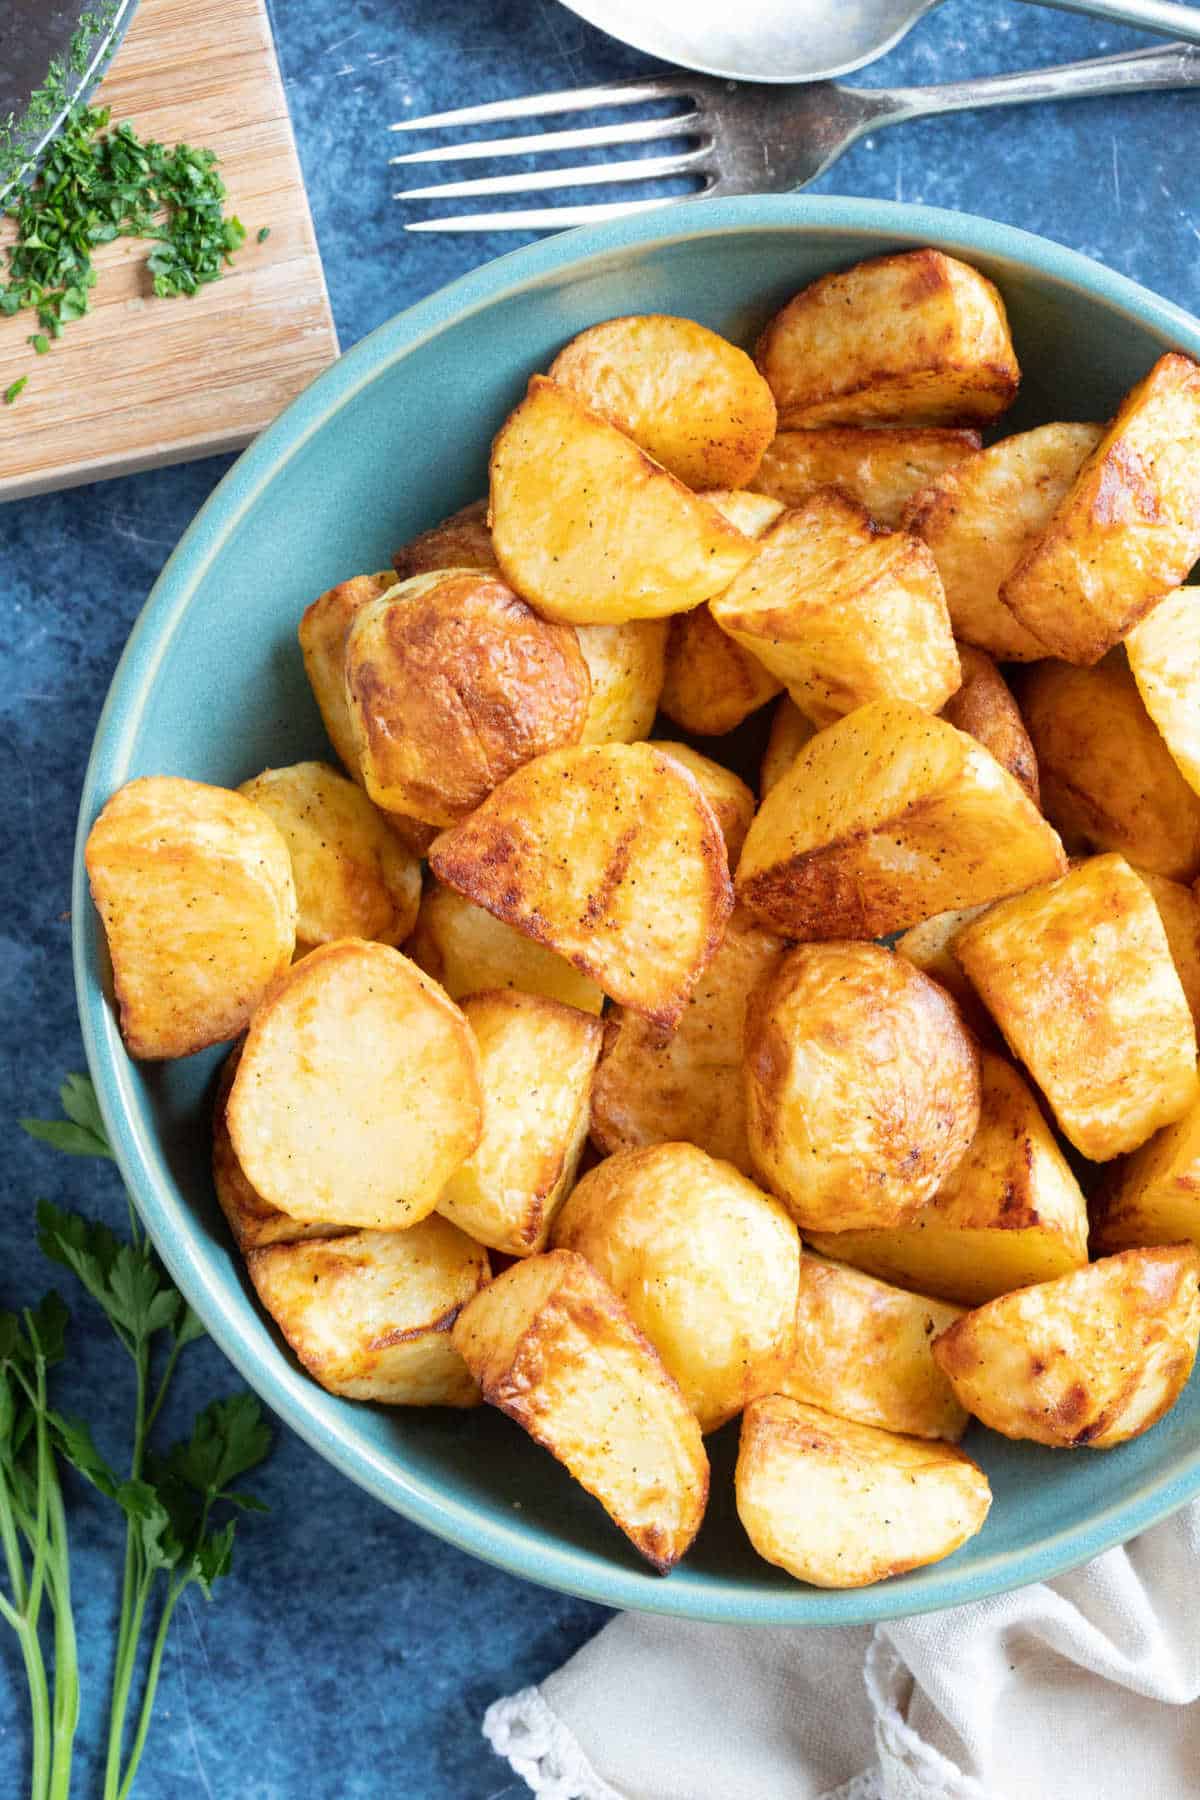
353,876
790,731
538,1058
981,517
1009,1215
627,665
690,1087
359,1090
194,888
707,1264
885,818
985,708
1108,780
929,946
453,682
252,1220
590,529
323,631
469,952
1094,1358
462,541
1129,529
1153,1196
1180,913
610,855
1078,975
752,513
913,339
691,399
843,613
880,466
842,1505
711,684
862,1352
862,1086
552,1346
1164,655
369,1315
731,800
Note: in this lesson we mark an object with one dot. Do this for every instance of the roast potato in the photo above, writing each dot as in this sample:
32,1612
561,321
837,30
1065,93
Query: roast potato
1010,1214
358,1093
1094,1358
194,887
537,1059
1129,529
551,1345
609,854
322,635
880,466
885,818
930,947
841,1505
752,513
1078,975
626,664
691,399
985,708
1153,1196
707,1264
369,1315
462,541
589,529
862,1086
916,338
468,951
1179,910
252,1220
731,800
790,731
1164,655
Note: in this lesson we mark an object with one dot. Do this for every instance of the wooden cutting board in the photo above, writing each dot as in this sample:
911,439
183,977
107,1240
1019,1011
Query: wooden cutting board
140,382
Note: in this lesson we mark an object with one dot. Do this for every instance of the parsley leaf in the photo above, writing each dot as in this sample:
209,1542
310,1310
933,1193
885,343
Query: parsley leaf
82,1132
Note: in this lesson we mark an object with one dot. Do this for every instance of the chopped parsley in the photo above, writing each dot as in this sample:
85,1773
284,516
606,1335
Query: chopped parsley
10,393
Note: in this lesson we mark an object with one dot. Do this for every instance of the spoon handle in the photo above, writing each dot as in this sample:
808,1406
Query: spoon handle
1167,16
1171,66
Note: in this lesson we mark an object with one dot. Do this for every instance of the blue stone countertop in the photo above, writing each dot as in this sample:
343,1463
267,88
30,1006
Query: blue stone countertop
349,1654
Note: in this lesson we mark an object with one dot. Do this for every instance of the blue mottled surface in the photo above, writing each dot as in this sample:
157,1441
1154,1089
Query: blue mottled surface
350,1654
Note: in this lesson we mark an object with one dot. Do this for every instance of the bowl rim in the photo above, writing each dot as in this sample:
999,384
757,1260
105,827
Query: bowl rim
316,1417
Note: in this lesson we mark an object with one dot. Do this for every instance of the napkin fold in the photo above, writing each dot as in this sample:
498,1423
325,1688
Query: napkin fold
1079,1689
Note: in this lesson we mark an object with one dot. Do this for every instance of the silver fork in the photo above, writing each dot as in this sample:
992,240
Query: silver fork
743,139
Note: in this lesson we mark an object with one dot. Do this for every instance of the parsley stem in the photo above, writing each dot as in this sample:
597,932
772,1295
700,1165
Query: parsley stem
33,1604
66,1659
134,1580
163,1385
39,1707
122,1682
152,1674
12,1552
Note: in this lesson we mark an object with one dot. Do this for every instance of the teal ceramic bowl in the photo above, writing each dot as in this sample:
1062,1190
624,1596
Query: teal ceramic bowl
391,438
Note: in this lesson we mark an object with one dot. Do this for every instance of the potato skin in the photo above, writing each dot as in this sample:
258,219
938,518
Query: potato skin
862,1086
627,665
707,1264
880,466
322,634
467,951
985,709
1153,1196
789,733
462,541
1094,1358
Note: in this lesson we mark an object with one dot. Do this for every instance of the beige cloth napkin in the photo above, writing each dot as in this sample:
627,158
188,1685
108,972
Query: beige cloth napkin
1080,1689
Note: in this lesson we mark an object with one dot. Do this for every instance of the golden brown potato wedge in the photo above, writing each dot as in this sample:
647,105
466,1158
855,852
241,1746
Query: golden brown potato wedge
627,665
358,1093
252,1220
537,1059
930,947
843,613
1179,910
1153,1196
1009,1215
1129,529
862,1086
842,1505
552,1346
610,855
691,399
984,708
862,1352
1164,655
1094,1358
322,635
981,517
1108,780
707,1264
731,800
462,541
1078,975
369,1315
468,952
880,466
194,887
590,529
913,339
711,683
790,731
885,818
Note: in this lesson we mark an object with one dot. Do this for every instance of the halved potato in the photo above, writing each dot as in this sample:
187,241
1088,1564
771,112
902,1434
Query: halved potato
862,1086
1179,910
353,875
707,1264
462,541
590,529
322,635
929,946
981,517
862,1352
627,664
689,1086
358,1093
731,800
551,1345
692,399
789,733
194,887
880,466
885,818
537,1059
711,683
842,1505
916,338
984,708
468,952
1128,531
608,854
1094,1358
369,1315
252,1220
1078,975
1153,1196
843,613
1164,655
1108,780
1009,1215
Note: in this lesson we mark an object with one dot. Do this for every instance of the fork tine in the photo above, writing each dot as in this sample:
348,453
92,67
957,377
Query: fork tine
645,168
588,137
542,218
565,100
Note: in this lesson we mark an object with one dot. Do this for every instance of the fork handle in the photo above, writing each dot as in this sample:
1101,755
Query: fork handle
1171,66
